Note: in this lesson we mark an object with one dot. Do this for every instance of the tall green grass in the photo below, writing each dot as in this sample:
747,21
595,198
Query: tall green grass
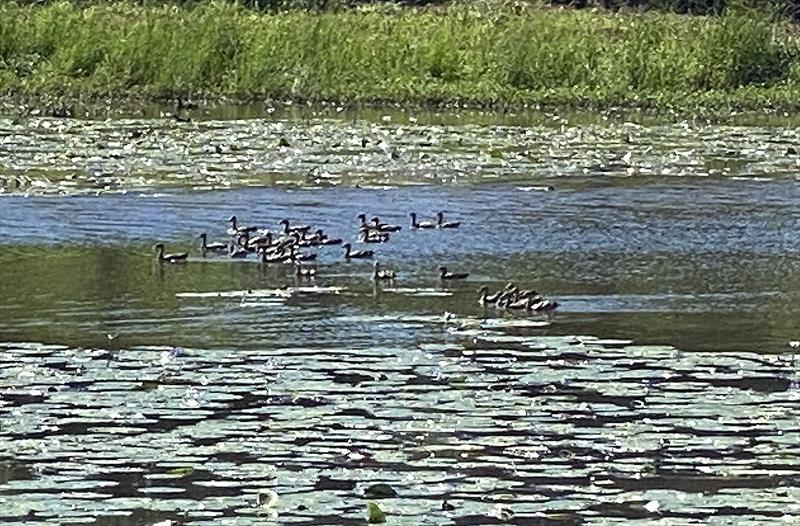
474,53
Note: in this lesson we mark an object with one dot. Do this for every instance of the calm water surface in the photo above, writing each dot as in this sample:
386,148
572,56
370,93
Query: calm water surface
663,390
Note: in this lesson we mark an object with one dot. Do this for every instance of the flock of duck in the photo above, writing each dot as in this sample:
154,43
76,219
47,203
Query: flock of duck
285,246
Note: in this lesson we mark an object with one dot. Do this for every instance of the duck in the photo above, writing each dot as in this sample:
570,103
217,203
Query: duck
358,254
440,222
365,235
235,229
299,256
169,258
323,239
304,272
446,275
529,294
522,304
376,224
485,298
544,306
417,225
239,251
211,247
287,228
274,257
301,240
382,274
507,295
262,239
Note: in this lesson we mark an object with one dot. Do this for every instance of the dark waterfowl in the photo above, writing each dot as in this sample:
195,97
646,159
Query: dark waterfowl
274,257
376,224
288,229
379,273
441,223
418,225
239,251
236,230
205,246
487,299
358,254
299,256
323,239
522,304
365,235
169,258
446,275
544,306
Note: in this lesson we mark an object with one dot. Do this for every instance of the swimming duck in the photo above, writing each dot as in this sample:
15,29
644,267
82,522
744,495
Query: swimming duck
376,224
358,254
169,258
304,272
238,252
235,229
507,295
287,229
382,274
440,222
299,256
323,239
273,257
365,235
211,247
523,304
529,295
417,225
445,275
544,306
485,298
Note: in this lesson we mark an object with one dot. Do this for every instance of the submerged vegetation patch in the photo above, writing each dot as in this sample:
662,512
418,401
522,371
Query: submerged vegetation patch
476,53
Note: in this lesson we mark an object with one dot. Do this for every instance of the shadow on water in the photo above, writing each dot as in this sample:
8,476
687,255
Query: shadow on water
183,392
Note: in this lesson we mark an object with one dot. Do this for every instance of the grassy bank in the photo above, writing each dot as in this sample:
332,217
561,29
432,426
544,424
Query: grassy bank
476,53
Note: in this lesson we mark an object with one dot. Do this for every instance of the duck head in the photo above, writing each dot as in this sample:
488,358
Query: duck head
232,221
362,218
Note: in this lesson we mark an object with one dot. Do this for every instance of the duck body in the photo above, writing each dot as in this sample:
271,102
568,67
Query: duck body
446,275
367,235
236,230
441,223
420,225
488,299
358,254
219,248
383,227
274,256
380,274
544,306
288,229
178,257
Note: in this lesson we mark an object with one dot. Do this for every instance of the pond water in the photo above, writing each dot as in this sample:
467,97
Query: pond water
664,388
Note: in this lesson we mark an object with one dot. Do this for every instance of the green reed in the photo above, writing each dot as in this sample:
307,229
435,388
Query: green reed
476,52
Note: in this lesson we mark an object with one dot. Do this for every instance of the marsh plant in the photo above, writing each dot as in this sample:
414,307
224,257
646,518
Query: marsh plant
477,52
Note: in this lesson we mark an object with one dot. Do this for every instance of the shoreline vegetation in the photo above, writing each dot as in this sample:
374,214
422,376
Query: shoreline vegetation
476,54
